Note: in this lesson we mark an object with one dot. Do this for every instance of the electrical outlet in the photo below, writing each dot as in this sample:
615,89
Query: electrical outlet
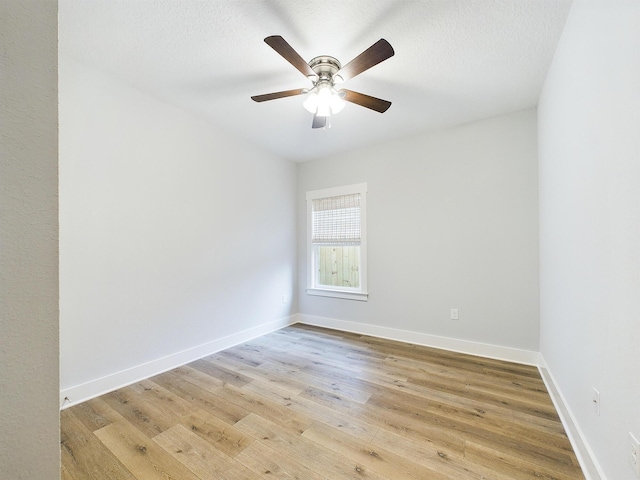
635,454
596,402
454,314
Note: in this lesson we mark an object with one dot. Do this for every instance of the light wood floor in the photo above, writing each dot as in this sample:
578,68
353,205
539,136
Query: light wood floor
313,404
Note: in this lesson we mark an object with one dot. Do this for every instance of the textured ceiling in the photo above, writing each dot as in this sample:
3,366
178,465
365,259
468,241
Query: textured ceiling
456,60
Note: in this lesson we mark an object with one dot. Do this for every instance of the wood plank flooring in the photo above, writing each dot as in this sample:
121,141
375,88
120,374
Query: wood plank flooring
315,404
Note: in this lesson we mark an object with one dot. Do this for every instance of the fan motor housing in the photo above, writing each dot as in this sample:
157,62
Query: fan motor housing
325,66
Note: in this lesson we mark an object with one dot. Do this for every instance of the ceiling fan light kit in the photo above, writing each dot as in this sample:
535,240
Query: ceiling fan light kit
324,100
325,73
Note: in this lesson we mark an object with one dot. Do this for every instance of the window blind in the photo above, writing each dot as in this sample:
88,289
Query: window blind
336,220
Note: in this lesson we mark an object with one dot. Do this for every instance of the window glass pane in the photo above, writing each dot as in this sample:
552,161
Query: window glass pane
338,265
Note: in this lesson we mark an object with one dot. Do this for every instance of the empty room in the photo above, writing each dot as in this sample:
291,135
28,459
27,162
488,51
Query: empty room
257,239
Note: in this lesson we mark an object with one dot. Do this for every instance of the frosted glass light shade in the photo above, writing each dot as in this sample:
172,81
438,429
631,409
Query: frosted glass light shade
337,103
324,102
311,103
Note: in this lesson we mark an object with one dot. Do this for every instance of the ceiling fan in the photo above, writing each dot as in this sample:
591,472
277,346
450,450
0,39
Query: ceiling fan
325,73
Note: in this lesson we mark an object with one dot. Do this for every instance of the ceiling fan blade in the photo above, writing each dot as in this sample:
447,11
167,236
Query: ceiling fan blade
367,101
275,95
376,53
319,122
287,52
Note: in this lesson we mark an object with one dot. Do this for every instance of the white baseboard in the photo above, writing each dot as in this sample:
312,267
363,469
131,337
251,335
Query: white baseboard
590,467
497,352
80,393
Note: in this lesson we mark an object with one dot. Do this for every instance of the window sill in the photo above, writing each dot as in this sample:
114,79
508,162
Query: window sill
360,296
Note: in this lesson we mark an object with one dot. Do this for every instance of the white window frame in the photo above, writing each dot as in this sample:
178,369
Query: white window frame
313,288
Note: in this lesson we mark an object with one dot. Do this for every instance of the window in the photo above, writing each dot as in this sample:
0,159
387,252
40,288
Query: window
336,245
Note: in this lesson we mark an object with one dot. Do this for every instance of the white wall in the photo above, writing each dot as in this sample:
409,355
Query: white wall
589,124
173,236
452,222
29,417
